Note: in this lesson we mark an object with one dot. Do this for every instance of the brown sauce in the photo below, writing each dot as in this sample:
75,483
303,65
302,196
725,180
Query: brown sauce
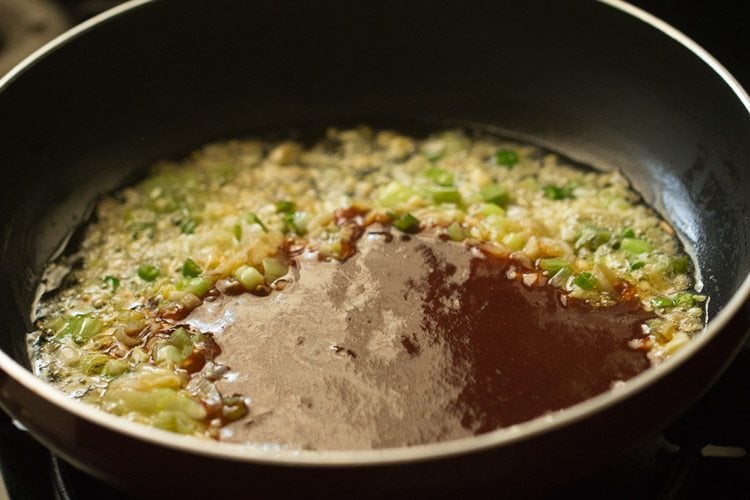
411,341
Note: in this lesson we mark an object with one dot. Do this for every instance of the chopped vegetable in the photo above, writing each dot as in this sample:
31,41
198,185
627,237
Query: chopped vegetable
188,226
190,269
274,269
456,232
443,194
407,223
636,246
250,277
553,265
285,207
197,286
553,192
113,282
253,219
439,176
148,272
506,158
585,280
80,328
495,194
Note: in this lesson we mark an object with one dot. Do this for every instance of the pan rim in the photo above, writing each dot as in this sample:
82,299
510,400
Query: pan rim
358,458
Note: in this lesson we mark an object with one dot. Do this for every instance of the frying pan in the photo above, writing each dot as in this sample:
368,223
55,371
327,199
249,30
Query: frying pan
601,82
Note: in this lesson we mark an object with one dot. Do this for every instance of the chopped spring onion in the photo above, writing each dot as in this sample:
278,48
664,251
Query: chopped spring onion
249,277
394,194
553,192
254,219
285,207
80,328
190,269
495,194
188,226
506,158
585,280
553,265
662,302
592,238
115,367
628,233
444,194
112,282
456,232
439,176
407,223
197,286
295,222
92,363
635,246
148,272
274,269
680,264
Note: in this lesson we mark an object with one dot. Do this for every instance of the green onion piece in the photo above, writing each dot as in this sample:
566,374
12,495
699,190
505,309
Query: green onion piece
190,269
685,299
237,231
253,219
585,280
662,302
439,176
680,264
407,223
294,223
92,363
80,328
443,194
637,265
285,207
197,286
274,269
148,272
628,233
496,194
488,209
553,265
181,339
234,408
456,232
592,238
249,277
506,158
394,194
188,226
112,281
433,156
636,246
175,422
553,192
167,352
115,367
560,278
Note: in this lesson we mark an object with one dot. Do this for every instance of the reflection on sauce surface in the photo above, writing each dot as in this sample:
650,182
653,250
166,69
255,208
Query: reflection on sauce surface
412,340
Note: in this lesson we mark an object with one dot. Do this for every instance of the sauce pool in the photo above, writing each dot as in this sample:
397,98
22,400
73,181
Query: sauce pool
412,340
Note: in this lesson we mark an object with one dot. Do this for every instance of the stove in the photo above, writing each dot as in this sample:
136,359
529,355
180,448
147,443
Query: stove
705,453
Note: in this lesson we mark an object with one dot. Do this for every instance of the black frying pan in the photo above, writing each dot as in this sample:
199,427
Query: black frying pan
600,82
